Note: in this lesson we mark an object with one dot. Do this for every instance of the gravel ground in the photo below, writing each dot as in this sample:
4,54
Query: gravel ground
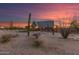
52,44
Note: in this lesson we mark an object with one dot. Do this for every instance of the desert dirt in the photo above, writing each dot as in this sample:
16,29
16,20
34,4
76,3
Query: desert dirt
52,44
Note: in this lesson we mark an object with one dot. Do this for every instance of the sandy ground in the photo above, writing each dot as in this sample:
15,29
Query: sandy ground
52,44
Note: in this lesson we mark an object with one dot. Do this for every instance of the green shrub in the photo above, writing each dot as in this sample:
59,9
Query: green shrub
65,32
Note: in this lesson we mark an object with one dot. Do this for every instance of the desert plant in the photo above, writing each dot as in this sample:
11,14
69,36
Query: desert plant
74,25
36,35
37,43
29,22
65,32
34,25
5,38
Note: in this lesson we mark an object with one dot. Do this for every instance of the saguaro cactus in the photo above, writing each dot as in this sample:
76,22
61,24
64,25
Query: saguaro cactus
53,28
29,22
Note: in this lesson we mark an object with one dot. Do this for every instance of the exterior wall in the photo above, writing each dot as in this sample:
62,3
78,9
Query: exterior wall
45,24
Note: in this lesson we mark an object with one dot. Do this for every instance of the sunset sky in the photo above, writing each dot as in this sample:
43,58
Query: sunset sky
19,12
45,11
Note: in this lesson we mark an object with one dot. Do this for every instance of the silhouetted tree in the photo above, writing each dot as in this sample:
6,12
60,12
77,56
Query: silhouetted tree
11,24
74,25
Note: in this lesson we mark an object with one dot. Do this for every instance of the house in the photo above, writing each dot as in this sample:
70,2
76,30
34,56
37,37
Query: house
45,25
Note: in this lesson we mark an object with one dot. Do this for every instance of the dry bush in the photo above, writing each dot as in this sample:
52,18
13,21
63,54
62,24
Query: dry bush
35,40
37,43
36,35
5,38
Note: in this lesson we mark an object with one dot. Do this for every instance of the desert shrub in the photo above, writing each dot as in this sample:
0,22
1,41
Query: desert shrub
65,32
5,38
37,43
36,35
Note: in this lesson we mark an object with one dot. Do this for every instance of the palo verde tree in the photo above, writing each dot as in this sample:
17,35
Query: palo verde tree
74,24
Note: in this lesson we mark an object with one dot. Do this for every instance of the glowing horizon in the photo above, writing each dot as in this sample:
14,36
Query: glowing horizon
40,11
